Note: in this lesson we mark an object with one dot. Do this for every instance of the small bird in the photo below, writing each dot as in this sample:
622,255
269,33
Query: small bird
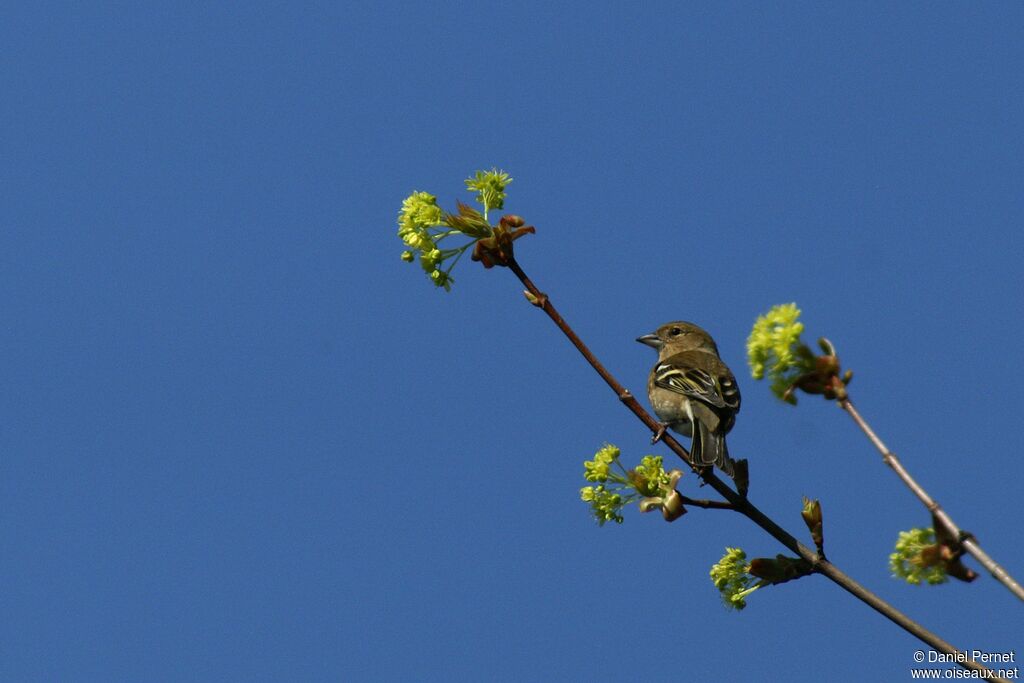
690,384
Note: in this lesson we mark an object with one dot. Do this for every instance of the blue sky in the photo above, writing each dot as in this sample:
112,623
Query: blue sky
243,441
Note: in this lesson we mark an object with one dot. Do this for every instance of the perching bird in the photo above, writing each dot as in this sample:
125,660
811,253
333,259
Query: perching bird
690,383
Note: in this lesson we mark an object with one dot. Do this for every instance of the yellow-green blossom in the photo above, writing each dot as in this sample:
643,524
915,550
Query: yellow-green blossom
649,476
773,340
420,215
422,225
428,259
604,505
419,212
732,578
918,558
647,484
418,240
490,188
774,347
442,279
597,469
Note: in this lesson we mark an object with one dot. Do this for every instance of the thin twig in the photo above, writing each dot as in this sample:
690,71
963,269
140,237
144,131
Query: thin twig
966,541
741,504
707,504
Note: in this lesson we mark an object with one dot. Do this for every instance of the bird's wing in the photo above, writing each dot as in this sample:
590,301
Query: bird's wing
730,390
717,388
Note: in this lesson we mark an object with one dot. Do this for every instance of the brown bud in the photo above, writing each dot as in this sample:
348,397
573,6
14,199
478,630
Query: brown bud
827,365
672,508
811,514
780,568
958,570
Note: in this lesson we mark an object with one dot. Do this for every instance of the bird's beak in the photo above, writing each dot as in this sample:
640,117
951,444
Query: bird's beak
651,340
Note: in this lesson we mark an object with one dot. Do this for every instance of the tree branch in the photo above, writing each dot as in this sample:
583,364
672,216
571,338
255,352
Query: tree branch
965,540
740,503
707,504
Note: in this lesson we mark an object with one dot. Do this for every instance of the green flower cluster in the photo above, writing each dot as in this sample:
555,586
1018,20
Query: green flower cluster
918,558
422,225
731,576
605,505
419,213
598,469
618,488
490,188
650,478
419,223
774,347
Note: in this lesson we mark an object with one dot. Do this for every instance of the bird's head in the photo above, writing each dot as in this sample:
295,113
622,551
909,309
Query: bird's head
679,336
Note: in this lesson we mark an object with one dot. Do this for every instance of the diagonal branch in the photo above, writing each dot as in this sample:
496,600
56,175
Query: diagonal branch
740,503
964,539
707,504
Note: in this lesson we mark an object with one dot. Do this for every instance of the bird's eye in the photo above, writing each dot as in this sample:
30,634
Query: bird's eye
675,331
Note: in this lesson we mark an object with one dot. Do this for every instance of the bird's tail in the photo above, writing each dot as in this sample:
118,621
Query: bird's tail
709,448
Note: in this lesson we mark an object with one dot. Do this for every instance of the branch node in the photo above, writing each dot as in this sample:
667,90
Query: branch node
659,433
540,301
